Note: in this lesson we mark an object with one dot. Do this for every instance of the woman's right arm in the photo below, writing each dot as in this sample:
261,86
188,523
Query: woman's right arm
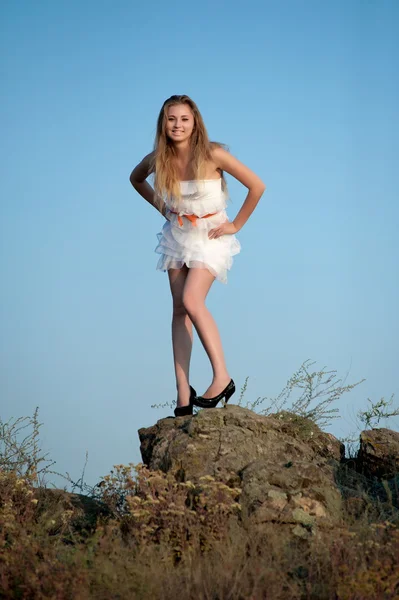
138,180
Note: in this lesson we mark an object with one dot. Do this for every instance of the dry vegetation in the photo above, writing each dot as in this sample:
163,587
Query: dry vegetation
163,538
154,536
157,537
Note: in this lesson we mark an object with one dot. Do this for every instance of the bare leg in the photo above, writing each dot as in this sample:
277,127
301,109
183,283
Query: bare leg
196,288
182,335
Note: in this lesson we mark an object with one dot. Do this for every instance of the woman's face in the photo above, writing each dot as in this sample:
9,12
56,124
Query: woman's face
179,122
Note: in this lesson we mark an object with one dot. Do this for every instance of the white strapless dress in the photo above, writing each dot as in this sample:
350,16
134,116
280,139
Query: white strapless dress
184,240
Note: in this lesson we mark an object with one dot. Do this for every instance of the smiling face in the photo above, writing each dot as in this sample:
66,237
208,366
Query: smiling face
179,123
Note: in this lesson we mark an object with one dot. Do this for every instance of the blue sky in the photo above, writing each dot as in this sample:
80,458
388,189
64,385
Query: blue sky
303,92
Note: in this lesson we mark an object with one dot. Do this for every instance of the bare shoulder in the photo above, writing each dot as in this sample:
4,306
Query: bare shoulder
227,162
143,169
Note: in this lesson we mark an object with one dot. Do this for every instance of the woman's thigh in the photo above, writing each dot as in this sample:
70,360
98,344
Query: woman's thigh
177,280
196,287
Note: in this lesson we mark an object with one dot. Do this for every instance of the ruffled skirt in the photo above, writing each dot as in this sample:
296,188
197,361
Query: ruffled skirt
190,245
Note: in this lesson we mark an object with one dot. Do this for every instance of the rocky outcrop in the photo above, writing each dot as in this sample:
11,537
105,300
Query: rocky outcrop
378,455
284,464
288,469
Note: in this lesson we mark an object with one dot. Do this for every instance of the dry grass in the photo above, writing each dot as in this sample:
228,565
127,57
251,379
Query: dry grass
168,539
155,536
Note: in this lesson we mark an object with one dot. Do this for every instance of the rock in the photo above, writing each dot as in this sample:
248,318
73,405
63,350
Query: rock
221,442
378,454
300,532
327,444
290,472
273,492
283,463
301,516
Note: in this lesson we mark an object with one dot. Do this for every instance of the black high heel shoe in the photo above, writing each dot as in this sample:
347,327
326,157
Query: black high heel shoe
183,411
212,402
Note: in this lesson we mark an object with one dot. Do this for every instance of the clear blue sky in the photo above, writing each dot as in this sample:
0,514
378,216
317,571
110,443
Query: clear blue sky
303,92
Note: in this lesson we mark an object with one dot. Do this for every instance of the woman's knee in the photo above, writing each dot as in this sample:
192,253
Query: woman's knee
192,304
179,310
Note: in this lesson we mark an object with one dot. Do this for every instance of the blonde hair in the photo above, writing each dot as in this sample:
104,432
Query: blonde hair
166,180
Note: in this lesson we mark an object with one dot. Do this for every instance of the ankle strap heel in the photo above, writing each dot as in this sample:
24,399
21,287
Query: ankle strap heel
224,396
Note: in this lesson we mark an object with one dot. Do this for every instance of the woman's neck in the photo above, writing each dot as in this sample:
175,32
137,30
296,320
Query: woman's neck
182,151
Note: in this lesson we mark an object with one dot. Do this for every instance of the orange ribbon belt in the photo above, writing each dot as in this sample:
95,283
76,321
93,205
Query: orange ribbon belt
192,218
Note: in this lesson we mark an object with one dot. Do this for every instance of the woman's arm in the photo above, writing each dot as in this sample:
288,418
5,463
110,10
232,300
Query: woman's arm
224,160
138,180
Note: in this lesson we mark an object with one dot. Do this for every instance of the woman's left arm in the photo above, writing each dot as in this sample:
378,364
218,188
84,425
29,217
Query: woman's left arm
227,162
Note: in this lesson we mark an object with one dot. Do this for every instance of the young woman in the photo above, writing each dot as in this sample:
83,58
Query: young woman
197,241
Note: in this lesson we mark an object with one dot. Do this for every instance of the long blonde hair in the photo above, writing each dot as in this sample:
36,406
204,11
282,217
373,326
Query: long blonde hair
166,179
